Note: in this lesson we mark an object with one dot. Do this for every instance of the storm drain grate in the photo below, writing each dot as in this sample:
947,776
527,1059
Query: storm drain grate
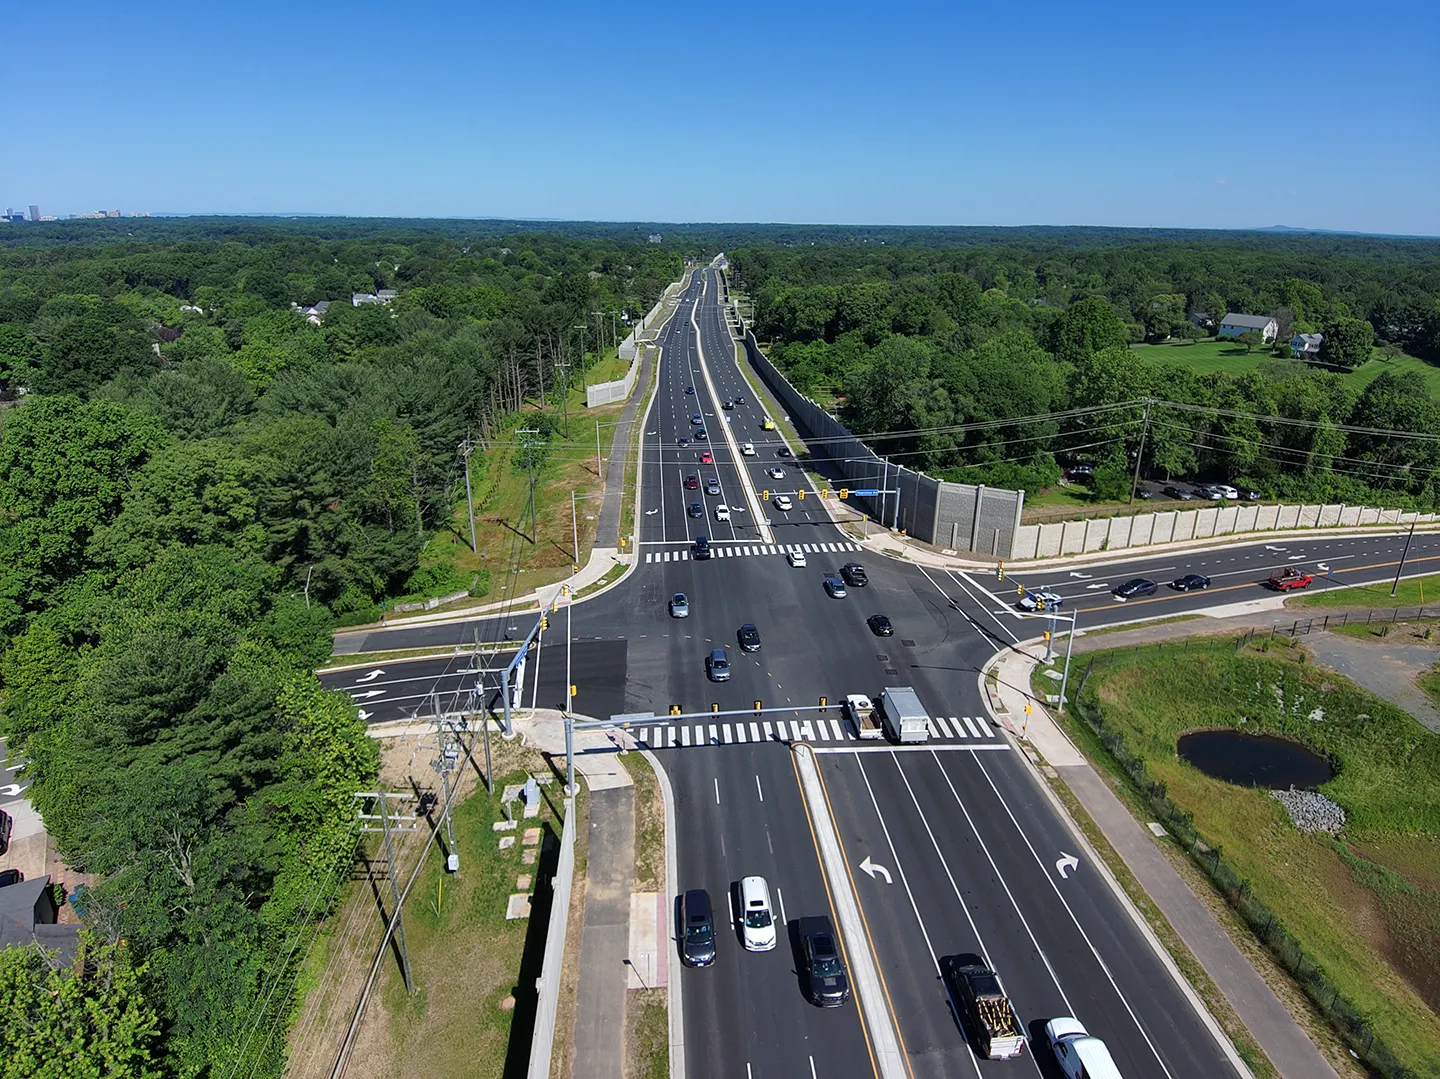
882,658
891,670
907,642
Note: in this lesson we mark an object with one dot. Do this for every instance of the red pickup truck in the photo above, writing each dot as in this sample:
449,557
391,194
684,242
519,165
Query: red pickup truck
1290,577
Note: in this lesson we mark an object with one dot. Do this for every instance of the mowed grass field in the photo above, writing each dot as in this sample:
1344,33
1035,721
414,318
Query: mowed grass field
1366,904
1207,357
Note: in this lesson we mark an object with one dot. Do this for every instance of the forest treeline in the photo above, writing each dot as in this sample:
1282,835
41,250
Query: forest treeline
197,479
914,341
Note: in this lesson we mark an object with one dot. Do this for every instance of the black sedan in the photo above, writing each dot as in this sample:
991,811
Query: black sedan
749,638
1138,586
783,452
825,975
1190,582
880,625
689,389
697,510
1180,493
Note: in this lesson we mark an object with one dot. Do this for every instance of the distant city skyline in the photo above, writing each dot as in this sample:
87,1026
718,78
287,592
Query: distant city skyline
916,113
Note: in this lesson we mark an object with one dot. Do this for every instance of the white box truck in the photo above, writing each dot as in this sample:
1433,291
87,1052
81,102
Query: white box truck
905,720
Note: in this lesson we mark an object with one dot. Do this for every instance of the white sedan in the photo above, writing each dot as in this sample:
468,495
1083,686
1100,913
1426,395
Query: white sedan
748,449
782,502
775,473
1041,599
796,559
722,512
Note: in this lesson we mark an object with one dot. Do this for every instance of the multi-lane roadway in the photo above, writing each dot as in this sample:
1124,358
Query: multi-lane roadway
966,853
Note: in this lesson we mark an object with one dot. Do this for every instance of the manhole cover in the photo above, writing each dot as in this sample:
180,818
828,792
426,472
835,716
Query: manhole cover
891,670
907,642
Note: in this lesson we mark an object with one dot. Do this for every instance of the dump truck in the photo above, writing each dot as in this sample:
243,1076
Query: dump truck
1288,578
987,1012
905,718
862,714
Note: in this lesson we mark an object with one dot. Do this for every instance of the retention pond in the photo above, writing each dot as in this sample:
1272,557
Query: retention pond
1254,760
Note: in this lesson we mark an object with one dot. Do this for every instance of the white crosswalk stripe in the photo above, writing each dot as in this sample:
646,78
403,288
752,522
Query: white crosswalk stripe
944,727
751,550
974,730
943,730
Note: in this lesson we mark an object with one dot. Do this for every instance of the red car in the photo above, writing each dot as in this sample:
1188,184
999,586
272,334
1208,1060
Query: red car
1290,578
692,481
707,458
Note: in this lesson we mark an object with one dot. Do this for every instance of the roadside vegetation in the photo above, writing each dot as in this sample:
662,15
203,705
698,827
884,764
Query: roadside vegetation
1352,918
1412,592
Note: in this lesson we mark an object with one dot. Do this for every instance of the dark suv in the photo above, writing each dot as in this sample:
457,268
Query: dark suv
701,551
697,940
854,574
826,980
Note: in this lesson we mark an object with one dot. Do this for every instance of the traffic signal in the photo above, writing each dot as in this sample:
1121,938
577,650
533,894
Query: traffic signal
544,622
714,706
844,493
1019,589
800,495
824,492
822,704
757,708
674,709
765,496
1000,570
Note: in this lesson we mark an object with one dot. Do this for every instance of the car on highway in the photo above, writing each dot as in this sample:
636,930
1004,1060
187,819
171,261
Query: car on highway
701,551
1136,586
679,605
683,442
835,588
1190,582
1079,1055
739,400
697,420
728,405
1290,578
782,502
712,485
784,451
880,625
757,922
768,424
696,510
749,638
854,574
706,457
825,977
796,559
1040,599
692,481
717,665
1178,492
747,449
775,472
697,942
689,389
701,436
722,512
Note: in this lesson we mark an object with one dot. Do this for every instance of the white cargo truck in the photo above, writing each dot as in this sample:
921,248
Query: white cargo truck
862,714
905,719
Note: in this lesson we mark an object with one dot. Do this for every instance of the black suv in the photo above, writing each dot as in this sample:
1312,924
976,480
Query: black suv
749,638
825,977
697,941
701,551
854,574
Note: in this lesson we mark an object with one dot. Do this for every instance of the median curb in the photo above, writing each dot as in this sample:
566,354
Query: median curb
675,1002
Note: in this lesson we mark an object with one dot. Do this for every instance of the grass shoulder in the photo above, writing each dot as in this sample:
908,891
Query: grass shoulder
1411,592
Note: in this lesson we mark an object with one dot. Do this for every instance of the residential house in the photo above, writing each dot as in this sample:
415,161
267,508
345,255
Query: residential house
1306,345
1203,320
27,917
1264,325
385,295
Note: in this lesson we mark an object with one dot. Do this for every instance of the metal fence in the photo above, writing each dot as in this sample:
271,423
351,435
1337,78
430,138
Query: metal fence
1386,617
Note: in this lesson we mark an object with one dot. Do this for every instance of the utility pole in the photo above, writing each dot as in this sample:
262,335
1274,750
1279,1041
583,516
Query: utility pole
1404,554
307,586
1135,481
540,370
575,531
599,472
447,742
530,467
391,822
478,697
565,397
466,449
583,384
1069,647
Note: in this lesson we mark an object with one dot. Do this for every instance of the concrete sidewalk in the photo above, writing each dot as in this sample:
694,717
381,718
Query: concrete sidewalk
1273,1027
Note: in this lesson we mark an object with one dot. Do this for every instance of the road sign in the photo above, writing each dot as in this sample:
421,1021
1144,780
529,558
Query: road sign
866,492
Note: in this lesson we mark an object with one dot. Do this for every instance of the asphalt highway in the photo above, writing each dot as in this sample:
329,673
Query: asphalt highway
975,858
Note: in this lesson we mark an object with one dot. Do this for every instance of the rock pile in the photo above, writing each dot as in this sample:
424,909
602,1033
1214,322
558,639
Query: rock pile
1311,812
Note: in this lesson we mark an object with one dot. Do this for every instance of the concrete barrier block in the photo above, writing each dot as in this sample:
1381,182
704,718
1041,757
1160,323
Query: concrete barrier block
1349,515
1121,529
1330,516
1048,545
1185,525
1072,541
1267,518
1097,532
1027,542
1369,515
1164,528
1205,522
1287,516
1142,530
1246,518
1309,517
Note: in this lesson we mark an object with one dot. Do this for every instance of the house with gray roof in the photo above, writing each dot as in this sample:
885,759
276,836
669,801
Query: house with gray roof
1264,325
27,918
1306,345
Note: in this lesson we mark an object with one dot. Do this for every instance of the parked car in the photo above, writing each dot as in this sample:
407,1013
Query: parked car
1214,494
880,625
1190,582
1040,599
697,941
782,502
1082,468
796,559
826,979
696,510
679,605
722,512
835,587
10,876
747,449
717,666
1136,586
1225,490
1178,492
1248,494
775,473
749,638
854,574
701,551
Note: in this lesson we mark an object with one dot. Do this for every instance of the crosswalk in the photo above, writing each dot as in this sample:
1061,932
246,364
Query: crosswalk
953,729
750,550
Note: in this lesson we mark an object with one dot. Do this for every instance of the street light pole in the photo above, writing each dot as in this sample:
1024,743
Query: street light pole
575,531
1069,647
1404,554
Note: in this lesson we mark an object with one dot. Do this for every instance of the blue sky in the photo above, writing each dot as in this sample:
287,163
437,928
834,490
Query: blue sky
1229,115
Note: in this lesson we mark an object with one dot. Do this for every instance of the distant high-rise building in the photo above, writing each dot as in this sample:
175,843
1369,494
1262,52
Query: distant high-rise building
34,212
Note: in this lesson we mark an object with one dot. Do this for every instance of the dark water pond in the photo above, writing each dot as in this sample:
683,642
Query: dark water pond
1254,760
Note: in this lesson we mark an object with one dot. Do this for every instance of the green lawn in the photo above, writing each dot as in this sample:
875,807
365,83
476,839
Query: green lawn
1207,357
1413,592
1368,916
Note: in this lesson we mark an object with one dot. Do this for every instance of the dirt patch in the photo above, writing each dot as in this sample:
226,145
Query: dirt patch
649,826
647,1035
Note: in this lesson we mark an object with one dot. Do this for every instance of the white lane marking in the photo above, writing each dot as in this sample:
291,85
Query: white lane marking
755,732
839,730
725,733
714,734
717,790
685,736
740,732
974,730
812,1069
930,728
944,727
780,898
1056,889
758,790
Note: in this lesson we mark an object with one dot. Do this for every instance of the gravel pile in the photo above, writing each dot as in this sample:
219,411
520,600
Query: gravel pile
1311,812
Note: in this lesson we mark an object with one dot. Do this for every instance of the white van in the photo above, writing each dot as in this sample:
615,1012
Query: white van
1079,1055
757,922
